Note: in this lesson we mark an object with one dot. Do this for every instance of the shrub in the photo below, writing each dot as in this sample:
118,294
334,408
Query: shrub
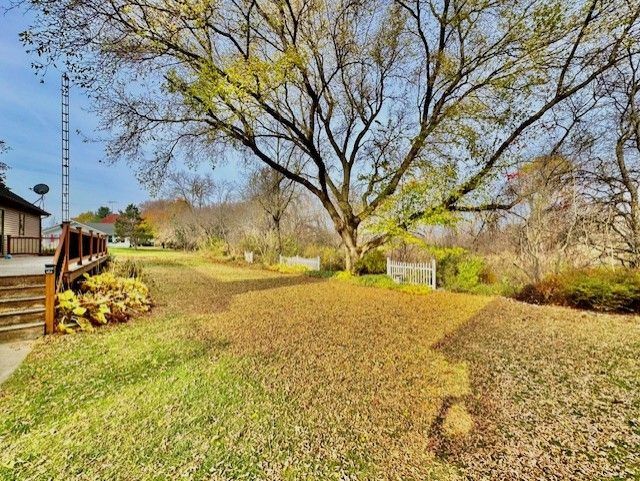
103,299
613,290
48,251
373,262
460,271
128,267
331,258
547,291
215,248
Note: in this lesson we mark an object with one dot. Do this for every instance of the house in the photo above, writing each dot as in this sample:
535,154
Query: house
109,228
20,224
50,235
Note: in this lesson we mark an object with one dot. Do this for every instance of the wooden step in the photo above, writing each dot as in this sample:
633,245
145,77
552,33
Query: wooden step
17,303
11,318
20,332
10,291
12,281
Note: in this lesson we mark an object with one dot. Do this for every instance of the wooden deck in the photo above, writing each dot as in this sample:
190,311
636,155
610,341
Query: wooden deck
34,265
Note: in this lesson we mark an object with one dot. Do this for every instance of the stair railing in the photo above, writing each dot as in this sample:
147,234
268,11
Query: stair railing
74,246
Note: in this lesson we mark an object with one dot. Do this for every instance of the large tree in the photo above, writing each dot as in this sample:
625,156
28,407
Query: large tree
368,94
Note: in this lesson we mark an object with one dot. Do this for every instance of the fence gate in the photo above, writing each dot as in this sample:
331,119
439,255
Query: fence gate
412,273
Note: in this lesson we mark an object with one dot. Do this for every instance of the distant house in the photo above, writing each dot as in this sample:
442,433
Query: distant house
51,234
109,228
20,224
110,219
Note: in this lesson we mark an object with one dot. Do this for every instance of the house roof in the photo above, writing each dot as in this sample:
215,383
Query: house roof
109,219
75,223
9,199
105,228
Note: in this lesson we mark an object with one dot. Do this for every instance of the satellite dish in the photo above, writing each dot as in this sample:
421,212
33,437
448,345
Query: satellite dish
41,189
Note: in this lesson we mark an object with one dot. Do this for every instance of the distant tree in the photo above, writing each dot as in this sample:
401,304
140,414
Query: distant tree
86,217
129,224
548,217
3,167
197,190
103,212
143,232
613,170
274,193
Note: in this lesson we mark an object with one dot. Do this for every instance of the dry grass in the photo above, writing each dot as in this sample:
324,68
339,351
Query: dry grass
249,374
556,394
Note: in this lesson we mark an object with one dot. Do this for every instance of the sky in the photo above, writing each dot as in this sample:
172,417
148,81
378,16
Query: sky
30,125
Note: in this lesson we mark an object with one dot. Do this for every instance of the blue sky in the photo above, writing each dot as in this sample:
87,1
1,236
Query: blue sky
30,124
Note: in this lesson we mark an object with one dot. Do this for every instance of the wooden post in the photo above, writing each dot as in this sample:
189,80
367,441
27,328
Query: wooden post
67,238
8,244
80,253
433,274
50,300
90,245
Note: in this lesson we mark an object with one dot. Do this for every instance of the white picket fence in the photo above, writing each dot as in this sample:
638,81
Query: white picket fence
312,263
248,257
412,273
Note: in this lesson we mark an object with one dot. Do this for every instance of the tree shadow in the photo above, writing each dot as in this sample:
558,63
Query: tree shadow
193,292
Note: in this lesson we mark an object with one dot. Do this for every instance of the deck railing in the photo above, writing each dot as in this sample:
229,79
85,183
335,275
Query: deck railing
75,247
24,245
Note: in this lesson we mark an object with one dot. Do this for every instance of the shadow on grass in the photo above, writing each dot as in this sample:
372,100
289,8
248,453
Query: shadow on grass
194,292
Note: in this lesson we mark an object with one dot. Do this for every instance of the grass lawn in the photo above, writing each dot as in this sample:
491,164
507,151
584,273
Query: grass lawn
250,374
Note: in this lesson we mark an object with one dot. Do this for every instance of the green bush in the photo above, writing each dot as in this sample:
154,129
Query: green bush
215,248
331,258
373,262
460,271
609,290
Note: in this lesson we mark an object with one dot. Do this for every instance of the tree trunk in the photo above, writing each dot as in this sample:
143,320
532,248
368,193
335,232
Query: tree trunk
634,243
278,229
353,251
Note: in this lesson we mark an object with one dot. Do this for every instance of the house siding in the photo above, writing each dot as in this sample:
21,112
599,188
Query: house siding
12,225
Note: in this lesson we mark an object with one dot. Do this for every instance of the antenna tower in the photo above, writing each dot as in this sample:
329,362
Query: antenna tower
65,147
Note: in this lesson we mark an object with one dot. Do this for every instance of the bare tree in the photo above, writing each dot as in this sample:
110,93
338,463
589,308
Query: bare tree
614,171
274,193
369,93
196,190
548,217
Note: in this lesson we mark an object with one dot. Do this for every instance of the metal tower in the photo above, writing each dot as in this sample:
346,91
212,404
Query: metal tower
65,147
